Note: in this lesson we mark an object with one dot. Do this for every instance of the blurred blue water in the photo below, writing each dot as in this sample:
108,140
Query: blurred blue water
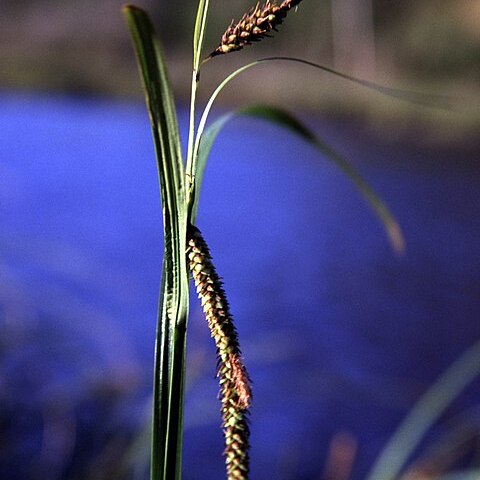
338,332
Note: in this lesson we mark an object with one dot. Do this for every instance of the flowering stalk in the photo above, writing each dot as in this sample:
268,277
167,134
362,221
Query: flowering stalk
253,26
235,389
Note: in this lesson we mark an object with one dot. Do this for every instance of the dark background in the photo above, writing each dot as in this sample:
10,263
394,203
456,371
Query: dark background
430,46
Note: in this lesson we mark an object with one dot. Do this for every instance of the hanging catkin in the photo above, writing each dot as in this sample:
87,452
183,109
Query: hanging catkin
235,390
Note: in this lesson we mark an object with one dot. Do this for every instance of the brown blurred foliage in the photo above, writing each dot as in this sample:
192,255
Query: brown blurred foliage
83,46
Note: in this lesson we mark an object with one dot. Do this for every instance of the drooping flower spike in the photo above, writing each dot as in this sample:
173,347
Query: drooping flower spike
235,389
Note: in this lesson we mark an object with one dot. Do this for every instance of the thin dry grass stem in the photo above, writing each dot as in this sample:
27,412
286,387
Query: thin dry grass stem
253,26
235,389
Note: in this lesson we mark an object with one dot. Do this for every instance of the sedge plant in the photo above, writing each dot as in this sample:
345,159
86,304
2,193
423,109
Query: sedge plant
186,253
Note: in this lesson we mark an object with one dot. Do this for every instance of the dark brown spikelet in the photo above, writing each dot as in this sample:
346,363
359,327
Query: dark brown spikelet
253,26
235,389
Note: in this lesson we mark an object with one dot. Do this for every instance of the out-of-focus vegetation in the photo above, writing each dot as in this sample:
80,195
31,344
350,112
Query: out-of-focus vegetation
427,45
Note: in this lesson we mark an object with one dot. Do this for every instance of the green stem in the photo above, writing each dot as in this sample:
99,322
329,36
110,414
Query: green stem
191,129
203,120
189,172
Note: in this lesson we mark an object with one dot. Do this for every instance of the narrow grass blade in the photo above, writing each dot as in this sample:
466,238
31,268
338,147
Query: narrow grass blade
446,450
424,414
425,99
199,32
284,119
198,39
434,101
173,309
205,146
158,94
442,102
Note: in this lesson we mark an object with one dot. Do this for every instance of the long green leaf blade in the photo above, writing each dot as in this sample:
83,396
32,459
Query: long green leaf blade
433,101
158,92
284,119
442,102
173,309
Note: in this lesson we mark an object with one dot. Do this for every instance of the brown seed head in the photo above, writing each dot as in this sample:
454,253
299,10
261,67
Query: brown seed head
253,26
235,389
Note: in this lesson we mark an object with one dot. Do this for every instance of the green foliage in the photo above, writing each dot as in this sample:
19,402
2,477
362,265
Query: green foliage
180,187
285,120
173,310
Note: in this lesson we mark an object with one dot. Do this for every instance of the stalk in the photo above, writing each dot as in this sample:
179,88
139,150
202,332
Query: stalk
191,129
